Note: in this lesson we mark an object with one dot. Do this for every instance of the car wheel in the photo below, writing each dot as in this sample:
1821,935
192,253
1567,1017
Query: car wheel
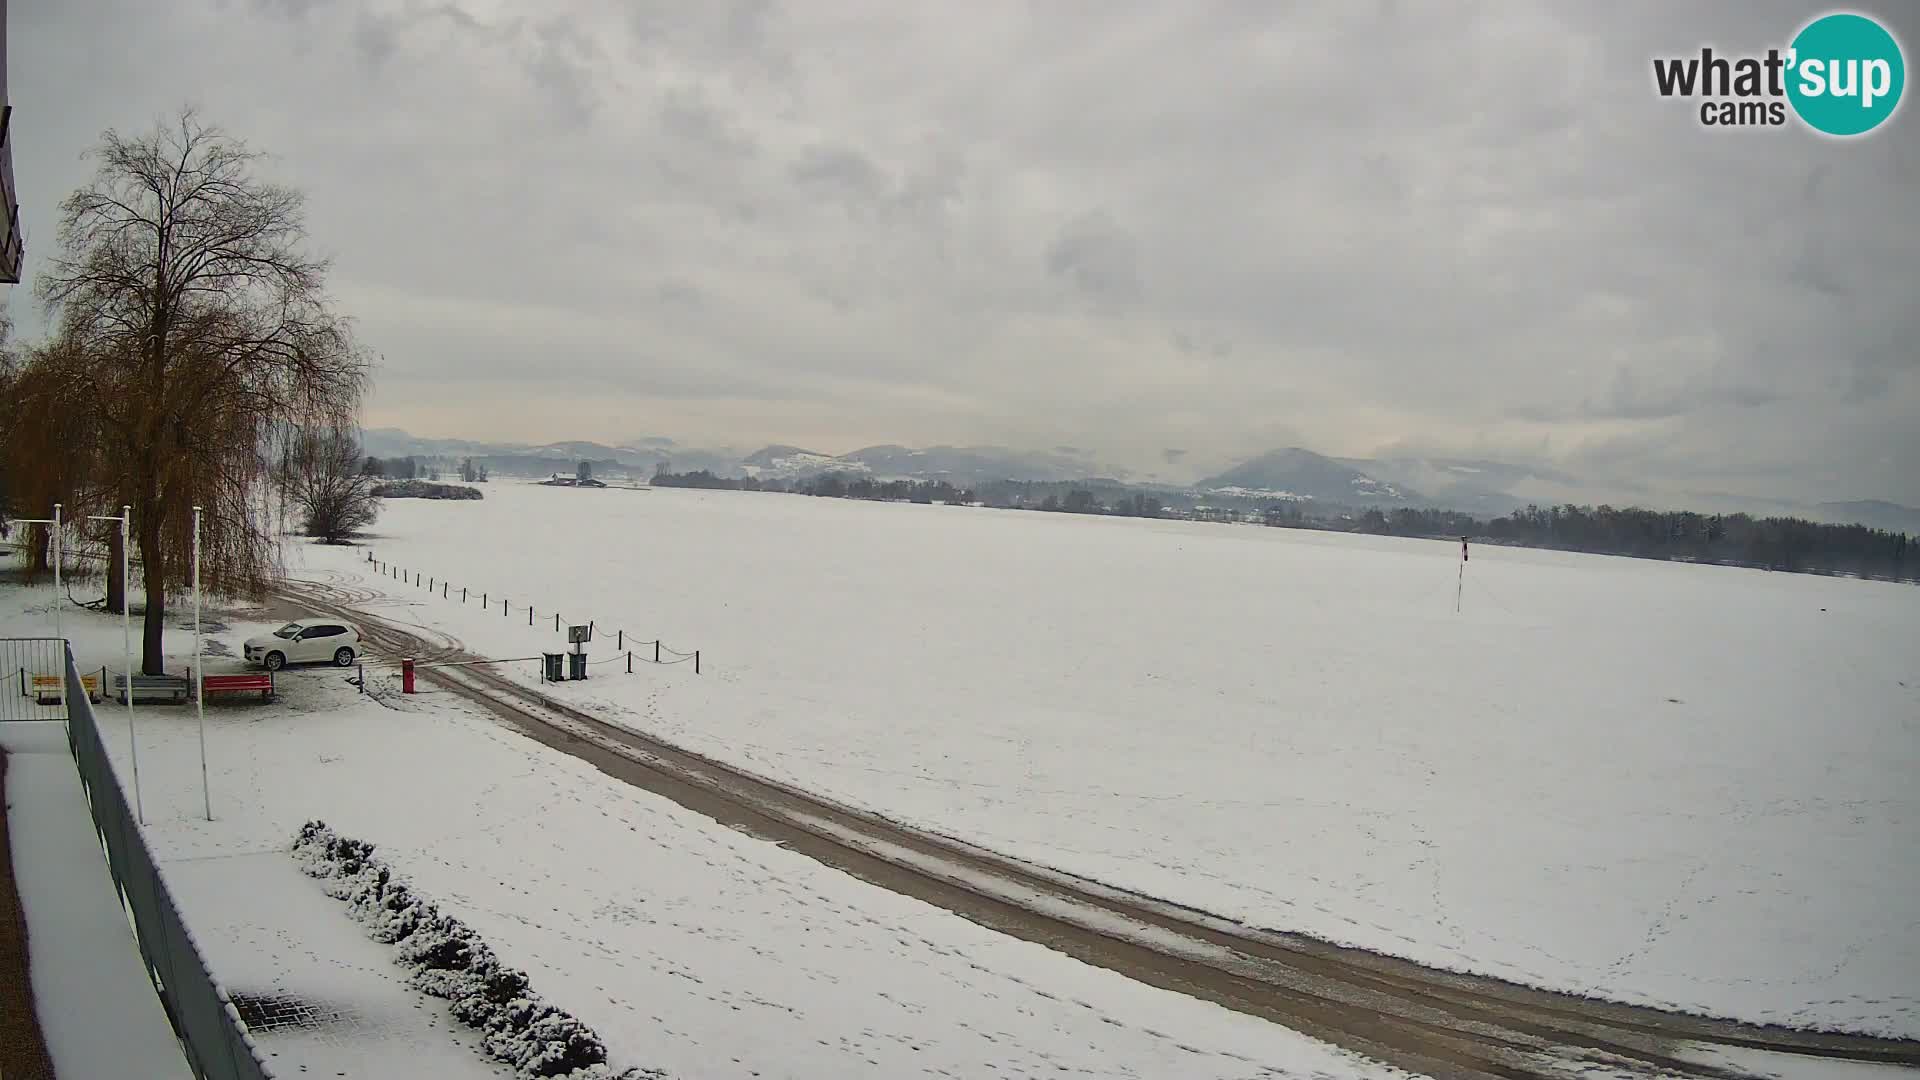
274,661
342,657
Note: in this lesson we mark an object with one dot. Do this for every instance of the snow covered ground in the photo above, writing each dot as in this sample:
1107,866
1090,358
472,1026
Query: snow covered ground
1668,784
96,1006
688,946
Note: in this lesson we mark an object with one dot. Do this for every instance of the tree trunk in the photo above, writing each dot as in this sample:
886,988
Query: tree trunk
116,582
40,539
153,657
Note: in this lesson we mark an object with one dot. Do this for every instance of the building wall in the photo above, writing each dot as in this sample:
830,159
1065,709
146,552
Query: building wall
11,246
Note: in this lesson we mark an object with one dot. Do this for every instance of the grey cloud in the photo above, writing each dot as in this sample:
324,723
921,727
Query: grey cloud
844,225
1098,257
839,173
375,38
1632,396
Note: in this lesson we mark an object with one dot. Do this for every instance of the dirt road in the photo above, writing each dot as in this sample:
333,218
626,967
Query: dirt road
1421,1019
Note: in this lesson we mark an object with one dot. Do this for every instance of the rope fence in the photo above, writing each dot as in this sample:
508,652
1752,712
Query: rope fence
433,583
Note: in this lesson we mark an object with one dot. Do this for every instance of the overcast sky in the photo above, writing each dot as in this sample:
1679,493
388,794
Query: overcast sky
1134,227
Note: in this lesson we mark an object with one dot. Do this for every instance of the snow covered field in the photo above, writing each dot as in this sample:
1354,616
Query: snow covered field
688,946
1668,784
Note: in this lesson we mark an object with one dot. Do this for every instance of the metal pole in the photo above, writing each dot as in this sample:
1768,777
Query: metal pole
199,676
125,519
126,636
58,592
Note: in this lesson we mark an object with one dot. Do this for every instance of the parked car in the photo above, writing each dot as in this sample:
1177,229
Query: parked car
305,641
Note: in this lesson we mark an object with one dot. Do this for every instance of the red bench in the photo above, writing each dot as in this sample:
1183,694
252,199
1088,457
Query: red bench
246,682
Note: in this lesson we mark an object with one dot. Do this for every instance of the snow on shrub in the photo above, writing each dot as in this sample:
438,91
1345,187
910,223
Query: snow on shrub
446,959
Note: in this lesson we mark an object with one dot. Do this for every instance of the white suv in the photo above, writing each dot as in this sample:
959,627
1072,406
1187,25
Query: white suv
314,640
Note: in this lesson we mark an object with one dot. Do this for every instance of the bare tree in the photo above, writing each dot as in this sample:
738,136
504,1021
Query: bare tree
182,276
325,480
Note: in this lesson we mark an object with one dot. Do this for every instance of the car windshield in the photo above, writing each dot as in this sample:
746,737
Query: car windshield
287,631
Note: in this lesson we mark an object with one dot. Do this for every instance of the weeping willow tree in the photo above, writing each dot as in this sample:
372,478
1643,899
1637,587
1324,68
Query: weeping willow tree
201,334
50,450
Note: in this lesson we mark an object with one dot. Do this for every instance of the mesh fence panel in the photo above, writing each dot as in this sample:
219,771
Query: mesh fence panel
216,1042
32,679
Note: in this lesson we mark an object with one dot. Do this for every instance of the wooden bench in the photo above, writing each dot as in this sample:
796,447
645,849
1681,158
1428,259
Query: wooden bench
171,689
260,682
49,689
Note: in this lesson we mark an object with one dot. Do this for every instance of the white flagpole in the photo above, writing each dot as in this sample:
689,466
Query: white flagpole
199,677
57,593
58,596
133,742
126,636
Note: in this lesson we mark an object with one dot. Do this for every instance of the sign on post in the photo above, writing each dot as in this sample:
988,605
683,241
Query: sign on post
579,635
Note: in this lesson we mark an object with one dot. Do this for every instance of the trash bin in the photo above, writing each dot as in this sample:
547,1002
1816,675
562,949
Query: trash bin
576,665
550,666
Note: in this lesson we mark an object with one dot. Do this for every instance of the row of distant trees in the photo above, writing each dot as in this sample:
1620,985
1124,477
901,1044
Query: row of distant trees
833,485
1777,543
409,468
193,360
1773,543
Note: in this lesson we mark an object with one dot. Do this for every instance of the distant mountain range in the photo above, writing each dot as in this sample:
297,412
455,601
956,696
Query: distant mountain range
1487,488
1294,474
962,466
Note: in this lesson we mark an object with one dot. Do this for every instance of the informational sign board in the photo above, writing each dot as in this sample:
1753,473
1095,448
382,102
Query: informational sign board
577,635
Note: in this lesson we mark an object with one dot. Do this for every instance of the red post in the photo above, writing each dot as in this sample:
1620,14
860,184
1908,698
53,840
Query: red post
406,675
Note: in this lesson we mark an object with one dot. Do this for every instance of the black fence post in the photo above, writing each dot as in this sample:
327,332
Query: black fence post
463,594
529,614
656,650
443,590
629,663
429,582
556,622
696,661
620,641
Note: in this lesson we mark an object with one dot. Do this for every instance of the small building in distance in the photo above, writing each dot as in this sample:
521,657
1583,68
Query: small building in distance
582,477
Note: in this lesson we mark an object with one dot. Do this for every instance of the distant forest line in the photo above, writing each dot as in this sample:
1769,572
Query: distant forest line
1789,544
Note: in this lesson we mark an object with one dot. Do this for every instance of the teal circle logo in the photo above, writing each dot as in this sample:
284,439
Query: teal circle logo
1845,75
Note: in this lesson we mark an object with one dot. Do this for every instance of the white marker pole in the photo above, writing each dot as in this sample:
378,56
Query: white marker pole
126,636
57,593
199,677
1462,581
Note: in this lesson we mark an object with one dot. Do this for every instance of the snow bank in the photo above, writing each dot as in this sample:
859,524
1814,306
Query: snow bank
448,960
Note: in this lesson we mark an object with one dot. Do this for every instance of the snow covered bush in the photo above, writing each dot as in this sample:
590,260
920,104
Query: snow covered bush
446,959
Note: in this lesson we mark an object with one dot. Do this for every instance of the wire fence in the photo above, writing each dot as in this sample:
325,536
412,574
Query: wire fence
632,648
212,1034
